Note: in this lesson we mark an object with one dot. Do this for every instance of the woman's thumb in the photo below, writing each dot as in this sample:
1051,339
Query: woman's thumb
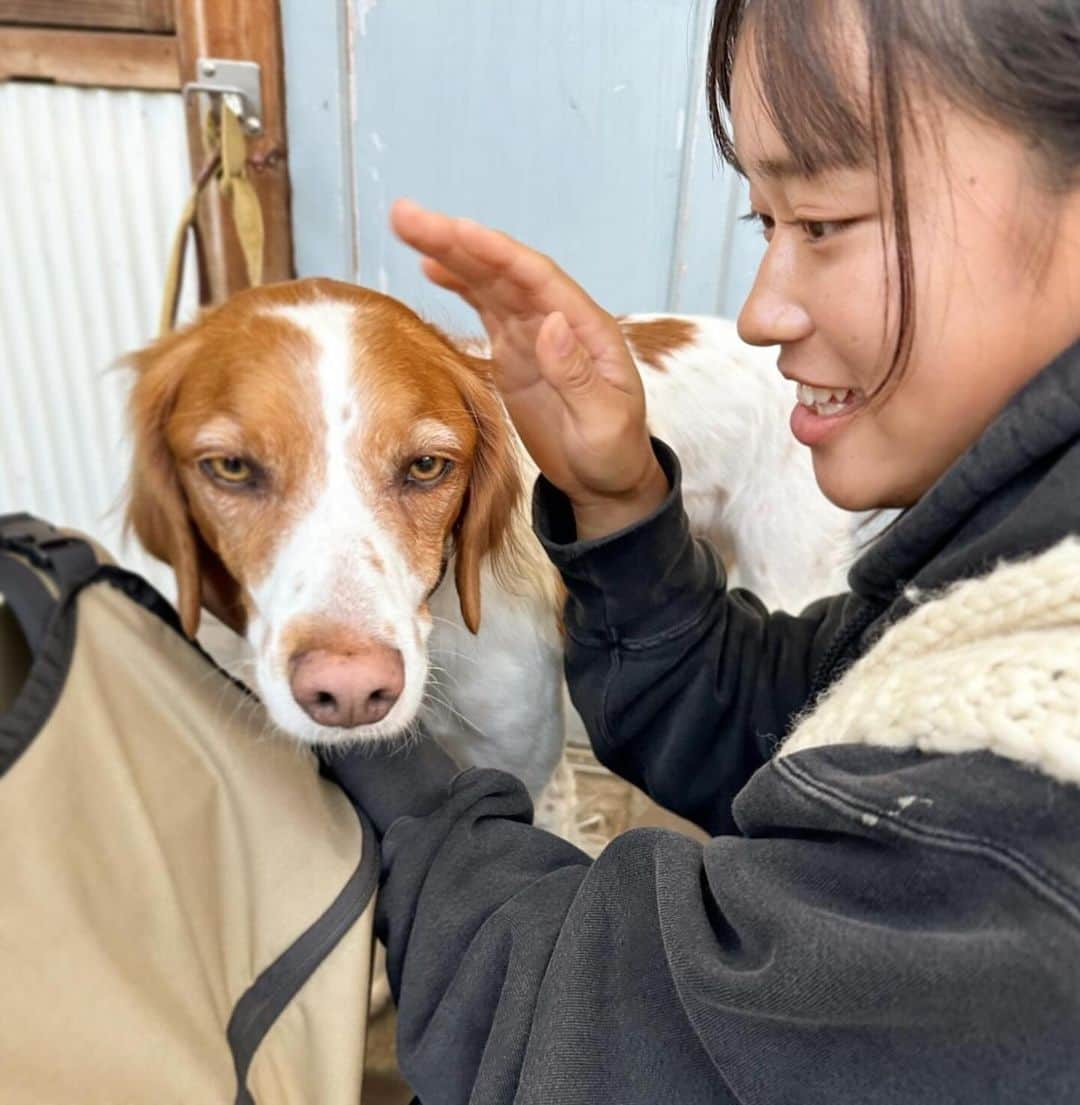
564,361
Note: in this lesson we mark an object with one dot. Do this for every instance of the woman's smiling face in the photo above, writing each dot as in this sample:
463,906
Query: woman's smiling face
996,291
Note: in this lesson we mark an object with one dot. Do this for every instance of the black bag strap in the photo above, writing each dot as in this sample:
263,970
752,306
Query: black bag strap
29,546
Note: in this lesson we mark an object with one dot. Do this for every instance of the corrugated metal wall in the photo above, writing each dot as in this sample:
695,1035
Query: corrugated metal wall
92,184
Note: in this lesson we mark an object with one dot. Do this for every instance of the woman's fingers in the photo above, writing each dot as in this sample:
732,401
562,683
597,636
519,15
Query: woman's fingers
426,231
439,274
471,251
519,278
559,360
531,285
529,306
437,236
507,276
444,278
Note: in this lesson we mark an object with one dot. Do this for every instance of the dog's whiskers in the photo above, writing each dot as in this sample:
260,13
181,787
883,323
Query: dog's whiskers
430,696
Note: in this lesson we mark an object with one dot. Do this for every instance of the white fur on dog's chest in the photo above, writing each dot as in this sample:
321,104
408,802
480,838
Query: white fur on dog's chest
495,698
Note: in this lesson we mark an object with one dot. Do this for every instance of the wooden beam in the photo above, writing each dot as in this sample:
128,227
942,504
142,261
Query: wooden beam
100,59
115,15
247,30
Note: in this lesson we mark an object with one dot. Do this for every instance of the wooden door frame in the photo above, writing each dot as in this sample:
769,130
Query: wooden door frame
248,30
94,58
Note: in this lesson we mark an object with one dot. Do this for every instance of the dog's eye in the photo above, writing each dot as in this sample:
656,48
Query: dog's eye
428,469
234,471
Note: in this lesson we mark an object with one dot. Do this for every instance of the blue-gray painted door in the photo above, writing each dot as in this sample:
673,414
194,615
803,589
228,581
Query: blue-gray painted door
576,125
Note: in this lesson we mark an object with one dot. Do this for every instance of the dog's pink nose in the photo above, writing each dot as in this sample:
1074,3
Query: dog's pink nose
345,690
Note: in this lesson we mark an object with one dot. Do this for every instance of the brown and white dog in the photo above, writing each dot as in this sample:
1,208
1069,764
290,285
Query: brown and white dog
338,481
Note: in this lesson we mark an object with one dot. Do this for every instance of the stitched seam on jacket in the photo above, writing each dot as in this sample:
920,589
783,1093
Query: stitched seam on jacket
613,667
639,644
609,683
614,643
614,663
1019,864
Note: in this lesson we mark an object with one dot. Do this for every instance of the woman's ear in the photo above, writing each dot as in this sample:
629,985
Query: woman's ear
157,507
494,491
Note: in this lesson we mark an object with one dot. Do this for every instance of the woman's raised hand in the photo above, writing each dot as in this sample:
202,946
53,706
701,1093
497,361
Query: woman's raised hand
561,364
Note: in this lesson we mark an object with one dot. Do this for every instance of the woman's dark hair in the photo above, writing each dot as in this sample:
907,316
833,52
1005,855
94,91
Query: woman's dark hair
1013,63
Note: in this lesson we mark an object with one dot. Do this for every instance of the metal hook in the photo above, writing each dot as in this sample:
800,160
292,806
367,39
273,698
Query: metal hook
238,83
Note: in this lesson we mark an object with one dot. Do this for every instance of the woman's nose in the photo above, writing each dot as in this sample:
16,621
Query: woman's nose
772,314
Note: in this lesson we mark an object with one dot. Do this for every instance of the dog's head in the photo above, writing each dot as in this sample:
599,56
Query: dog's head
308,458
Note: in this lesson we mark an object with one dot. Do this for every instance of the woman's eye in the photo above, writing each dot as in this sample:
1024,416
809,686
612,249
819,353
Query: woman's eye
817,230
230,471
427,469
765,222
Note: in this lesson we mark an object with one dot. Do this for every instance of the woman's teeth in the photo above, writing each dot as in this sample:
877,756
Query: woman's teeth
824,401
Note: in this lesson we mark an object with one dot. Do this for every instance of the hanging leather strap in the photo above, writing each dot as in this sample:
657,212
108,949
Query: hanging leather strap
174,270
226,161
237,188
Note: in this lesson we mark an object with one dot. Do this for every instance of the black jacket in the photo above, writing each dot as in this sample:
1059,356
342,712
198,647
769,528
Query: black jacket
835,941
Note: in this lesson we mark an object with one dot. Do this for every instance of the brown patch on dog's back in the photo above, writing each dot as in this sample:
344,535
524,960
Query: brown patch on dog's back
652,340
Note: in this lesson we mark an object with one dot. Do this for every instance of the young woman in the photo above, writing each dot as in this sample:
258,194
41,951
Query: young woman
889,909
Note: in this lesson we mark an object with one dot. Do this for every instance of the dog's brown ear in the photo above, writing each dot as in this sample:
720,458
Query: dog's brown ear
494,491
157,508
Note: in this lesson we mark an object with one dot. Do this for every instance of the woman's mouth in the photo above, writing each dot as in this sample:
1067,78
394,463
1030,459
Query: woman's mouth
821,412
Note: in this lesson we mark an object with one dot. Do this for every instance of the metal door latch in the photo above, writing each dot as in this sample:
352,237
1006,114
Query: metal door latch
238,83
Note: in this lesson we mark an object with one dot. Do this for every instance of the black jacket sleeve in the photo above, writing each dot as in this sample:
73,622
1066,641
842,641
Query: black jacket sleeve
523,971
685,687
846,945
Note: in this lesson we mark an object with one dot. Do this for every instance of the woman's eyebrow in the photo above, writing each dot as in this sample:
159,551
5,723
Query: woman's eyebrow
779,168
786,167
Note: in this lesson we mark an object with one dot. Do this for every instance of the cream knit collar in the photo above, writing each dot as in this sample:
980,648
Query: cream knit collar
989,664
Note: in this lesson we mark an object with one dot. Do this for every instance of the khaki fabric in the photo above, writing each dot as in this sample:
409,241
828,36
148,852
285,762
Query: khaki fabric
161,849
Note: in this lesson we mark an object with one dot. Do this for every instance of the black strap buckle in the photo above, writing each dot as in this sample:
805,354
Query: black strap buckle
31,538
68,559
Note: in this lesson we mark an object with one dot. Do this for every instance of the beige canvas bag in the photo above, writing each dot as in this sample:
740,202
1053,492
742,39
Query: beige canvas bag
185,903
